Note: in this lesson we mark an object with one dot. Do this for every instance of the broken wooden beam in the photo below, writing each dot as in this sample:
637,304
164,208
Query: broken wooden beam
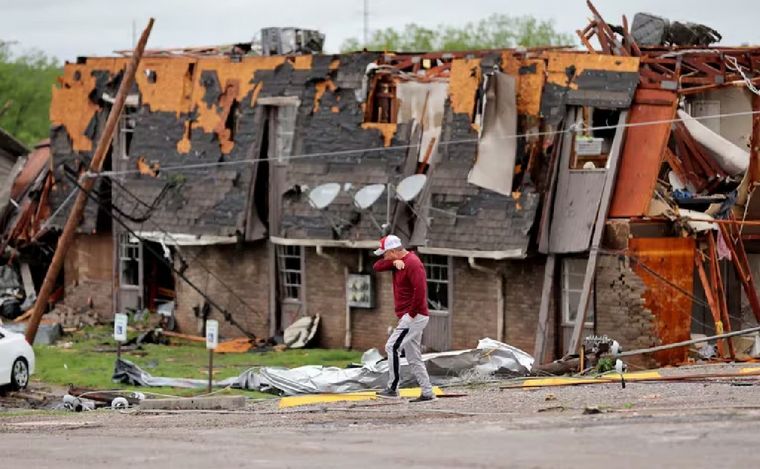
87,183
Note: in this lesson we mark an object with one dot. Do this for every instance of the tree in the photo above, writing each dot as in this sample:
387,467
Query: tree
495,32
25,89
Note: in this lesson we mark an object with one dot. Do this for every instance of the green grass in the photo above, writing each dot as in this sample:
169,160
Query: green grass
82,366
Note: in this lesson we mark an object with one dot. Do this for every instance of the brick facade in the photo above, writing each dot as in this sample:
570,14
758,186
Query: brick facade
473,315
88,274
620,310
242,268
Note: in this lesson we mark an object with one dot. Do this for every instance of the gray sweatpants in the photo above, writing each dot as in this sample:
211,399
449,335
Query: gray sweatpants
408,337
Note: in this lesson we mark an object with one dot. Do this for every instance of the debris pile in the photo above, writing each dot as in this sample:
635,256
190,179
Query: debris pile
490,359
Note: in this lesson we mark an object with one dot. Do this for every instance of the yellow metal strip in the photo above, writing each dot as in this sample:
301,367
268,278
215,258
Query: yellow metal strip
311,399
612,377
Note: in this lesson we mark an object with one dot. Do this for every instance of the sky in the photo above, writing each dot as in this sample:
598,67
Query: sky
70,28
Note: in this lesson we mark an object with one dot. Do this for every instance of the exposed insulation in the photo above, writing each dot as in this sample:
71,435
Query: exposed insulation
564,67
171,86
320,89
529,74
208,116
71,106
464,79
386,130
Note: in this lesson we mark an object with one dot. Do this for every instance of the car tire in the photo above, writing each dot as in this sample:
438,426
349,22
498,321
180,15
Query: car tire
19,374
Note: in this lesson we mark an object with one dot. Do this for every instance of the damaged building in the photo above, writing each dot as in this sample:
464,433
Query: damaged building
534,183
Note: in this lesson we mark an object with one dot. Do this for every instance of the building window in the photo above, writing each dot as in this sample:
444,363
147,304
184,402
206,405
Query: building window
382,105
126,131
437,271
593,142
129,260
573,272
282,122
290,266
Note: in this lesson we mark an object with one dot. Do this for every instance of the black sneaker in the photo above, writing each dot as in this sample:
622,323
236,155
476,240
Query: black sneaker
387,394
423,398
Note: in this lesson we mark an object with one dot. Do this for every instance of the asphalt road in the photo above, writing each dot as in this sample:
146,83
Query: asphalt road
703,424
716,439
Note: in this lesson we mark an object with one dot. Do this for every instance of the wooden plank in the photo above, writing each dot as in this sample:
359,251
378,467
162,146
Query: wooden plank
542,331
720,294
711,302
576,202
642,153
604,206
26,278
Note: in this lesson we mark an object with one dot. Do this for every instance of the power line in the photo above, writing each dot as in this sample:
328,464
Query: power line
225,314
183,259
570,129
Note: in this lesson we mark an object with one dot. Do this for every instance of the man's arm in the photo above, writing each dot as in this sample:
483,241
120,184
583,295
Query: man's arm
418,279
383,265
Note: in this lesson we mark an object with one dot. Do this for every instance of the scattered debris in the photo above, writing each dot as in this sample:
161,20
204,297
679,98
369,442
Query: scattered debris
491,358
301,332
592,410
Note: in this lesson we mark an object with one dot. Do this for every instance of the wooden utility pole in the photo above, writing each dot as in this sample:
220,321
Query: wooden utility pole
86,182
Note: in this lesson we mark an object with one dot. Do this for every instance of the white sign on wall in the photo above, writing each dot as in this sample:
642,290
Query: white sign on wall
212,334
120,327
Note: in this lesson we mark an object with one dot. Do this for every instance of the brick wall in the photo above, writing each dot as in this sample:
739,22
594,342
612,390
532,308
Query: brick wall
524,283
88,274
326,296
242,268
620,310
474,312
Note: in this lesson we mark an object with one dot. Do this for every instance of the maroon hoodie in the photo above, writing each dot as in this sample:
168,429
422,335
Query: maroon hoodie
409,285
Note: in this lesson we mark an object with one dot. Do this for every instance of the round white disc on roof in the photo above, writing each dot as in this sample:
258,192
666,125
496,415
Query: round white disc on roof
368,195
323,195
410,187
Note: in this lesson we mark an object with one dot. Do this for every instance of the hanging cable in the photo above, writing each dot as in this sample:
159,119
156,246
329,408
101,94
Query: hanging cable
217,164
195,260
225,314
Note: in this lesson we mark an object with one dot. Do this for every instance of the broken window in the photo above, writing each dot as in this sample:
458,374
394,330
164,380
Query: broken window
592,140
382,105
437,271
290,267
129,260
126,131
282,121
573,273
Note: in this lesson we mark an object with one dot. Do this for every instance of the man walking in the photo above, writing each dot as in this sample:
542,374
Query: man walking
410,299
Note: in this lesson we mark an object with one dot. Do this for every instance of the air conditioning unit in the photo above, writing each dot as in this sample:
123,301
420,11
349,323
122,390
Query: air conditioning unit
288,41
359,291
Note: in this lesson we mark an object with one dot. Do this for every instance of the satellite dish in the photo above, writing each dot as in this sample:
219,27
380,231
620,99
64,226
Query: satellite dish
323,195
410,187
368,195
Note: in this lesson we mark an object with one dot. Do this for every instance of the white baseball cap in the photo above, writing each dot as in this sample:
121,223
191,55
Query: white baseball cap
387,243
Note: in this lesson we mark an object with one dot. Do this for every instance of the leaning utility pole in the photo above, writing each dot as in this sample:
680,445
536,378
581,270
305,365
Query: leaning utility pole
86,182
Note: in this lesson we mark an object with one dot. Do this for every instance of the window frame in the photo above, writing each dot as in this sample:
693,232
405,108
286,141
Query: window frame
566,290
129,251
283,253
438,263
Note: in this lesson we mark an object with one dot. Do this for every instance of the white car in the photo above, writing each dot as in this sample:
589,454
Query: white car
16,359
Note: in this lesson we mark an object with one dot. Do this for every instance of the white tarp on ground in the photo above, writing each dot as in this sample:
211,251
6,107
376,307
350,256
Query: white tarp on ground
490,358
494,167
